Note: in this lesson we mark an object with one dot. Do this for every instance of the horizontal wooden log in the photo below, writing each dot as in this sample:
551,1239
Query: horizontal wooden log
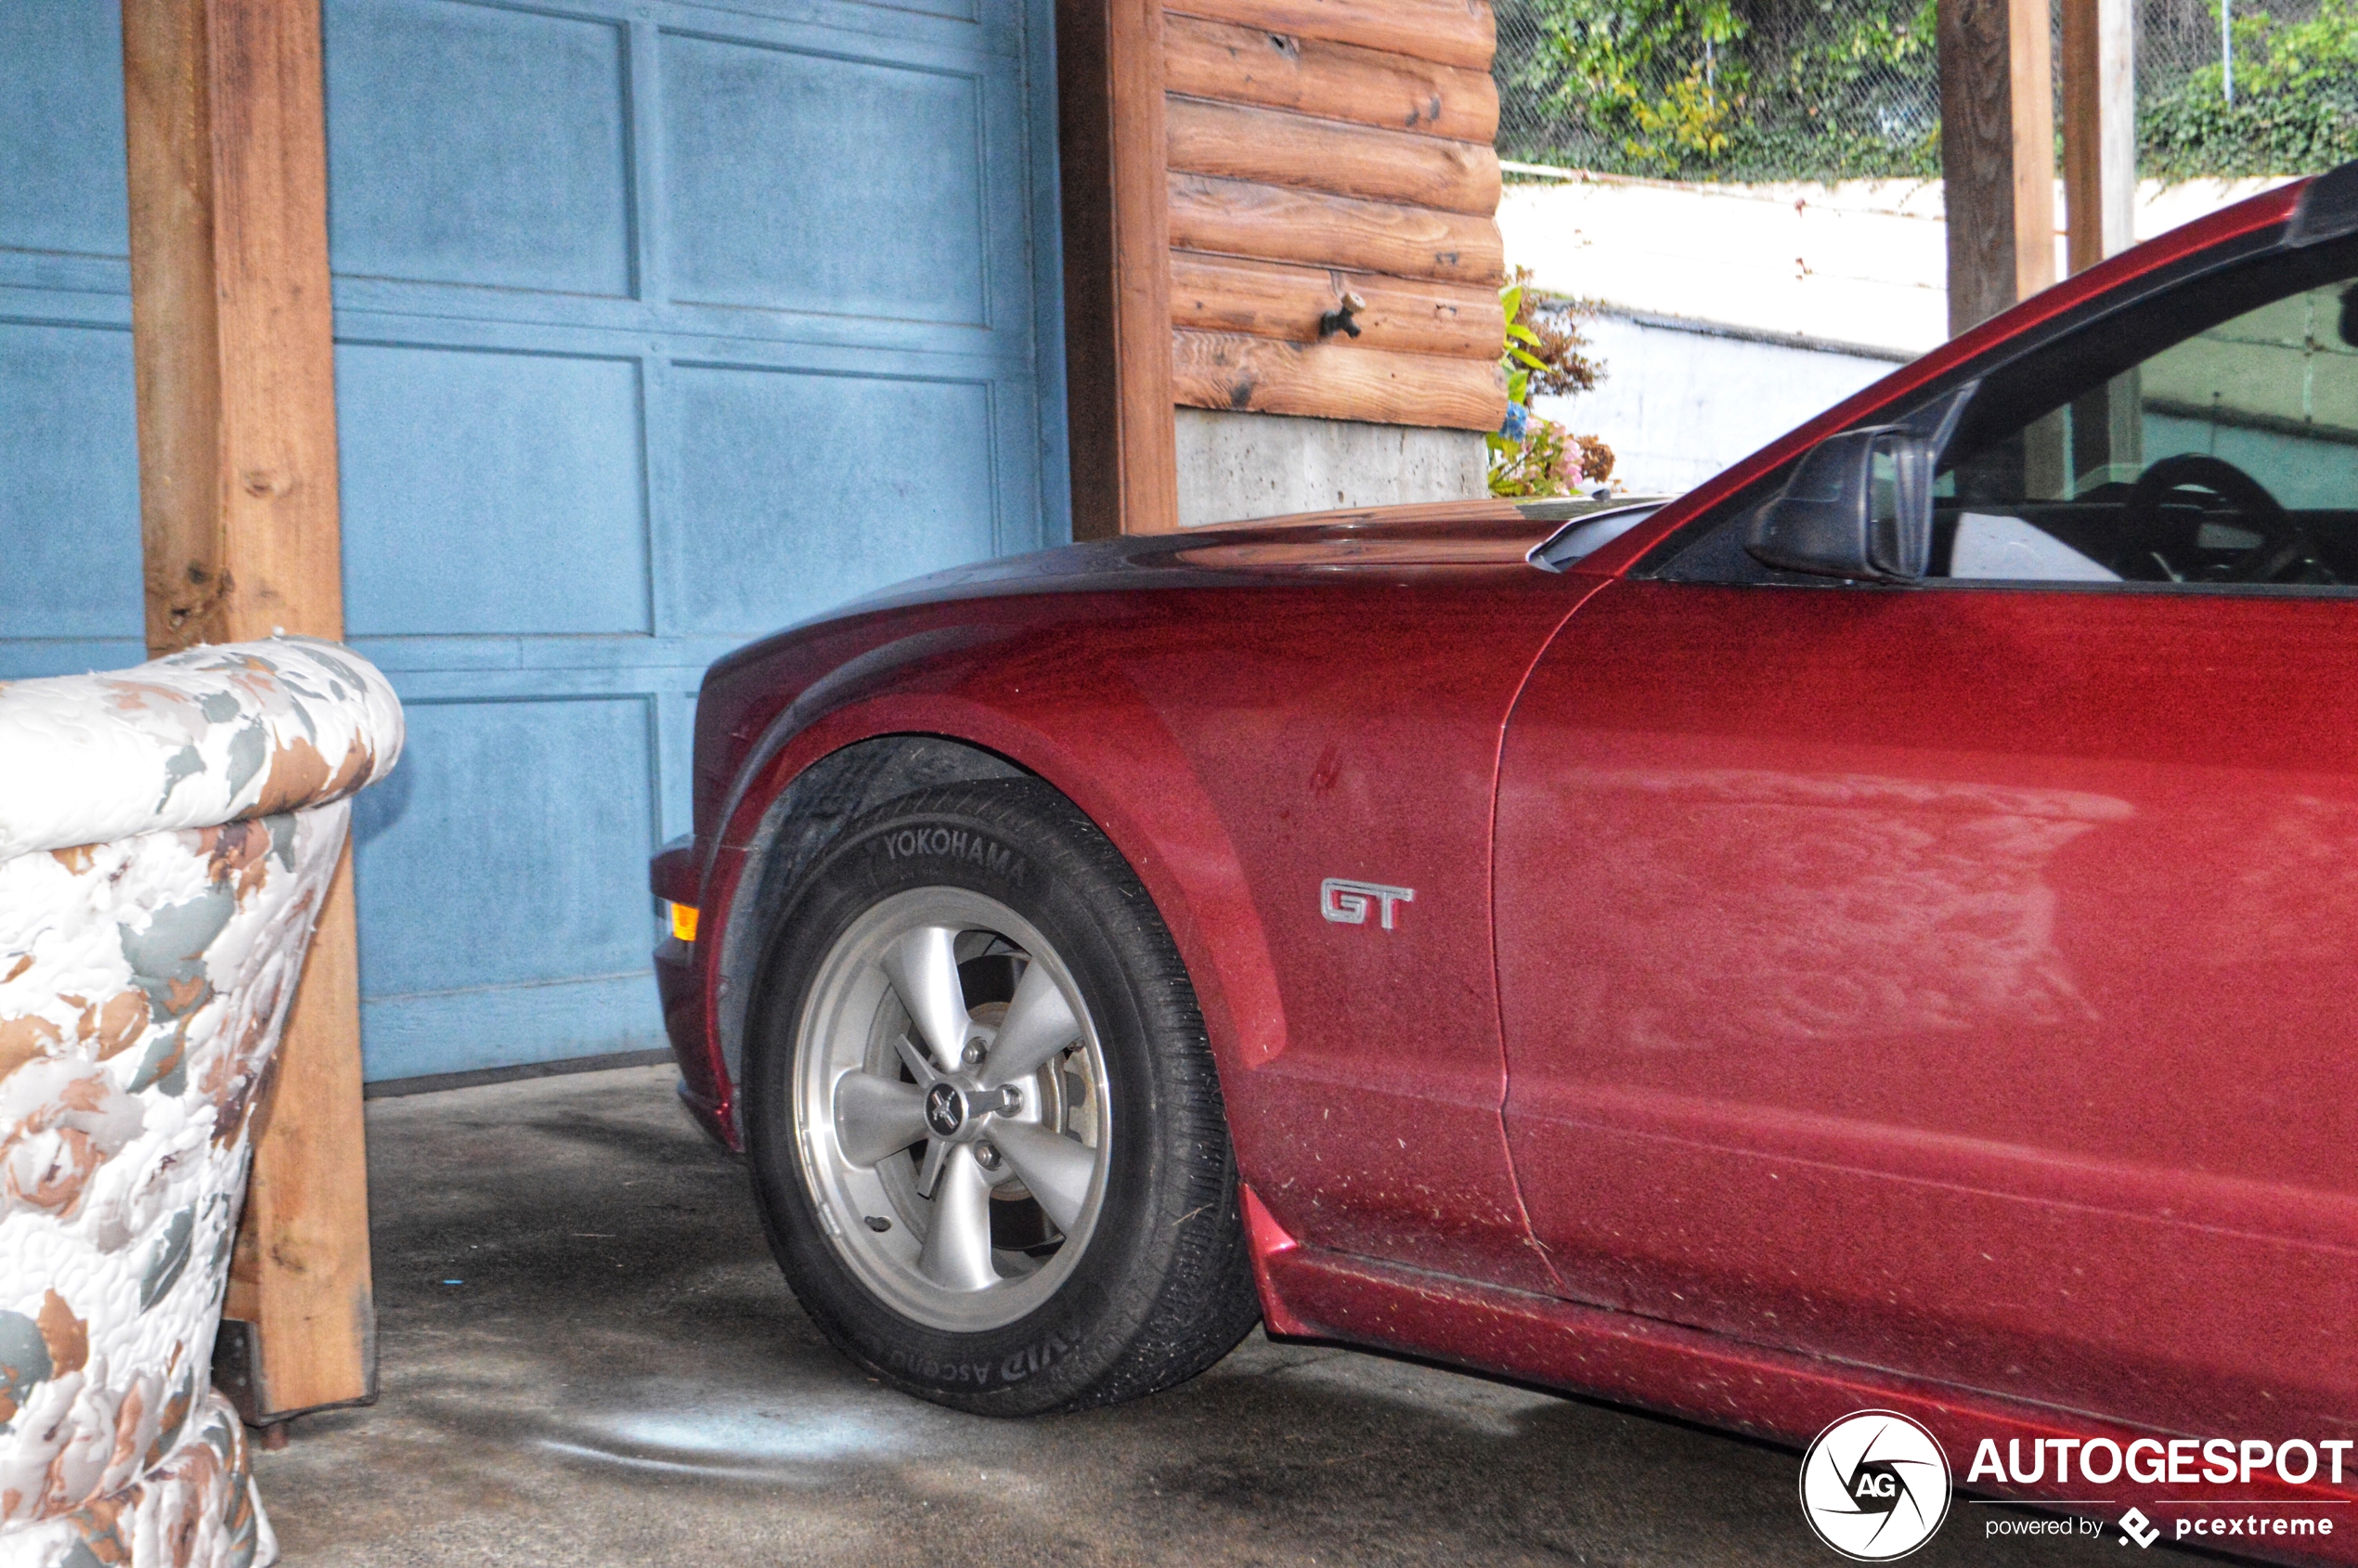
1458,32
1334,381
1250,65
1241,218
1270,300
1281,149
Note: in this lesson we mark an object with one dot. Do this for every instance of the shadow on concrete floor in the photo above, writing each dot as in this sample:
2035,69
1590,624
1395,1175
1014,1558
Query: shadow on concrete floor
589,1358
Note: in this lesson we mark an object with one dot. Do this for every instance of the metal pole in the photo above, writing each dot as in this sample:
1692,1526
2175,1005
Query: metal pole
2227,49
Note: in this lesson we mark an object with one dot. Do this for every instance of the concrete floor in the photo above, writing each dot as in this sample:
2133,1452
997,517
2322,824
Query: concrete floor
589,1358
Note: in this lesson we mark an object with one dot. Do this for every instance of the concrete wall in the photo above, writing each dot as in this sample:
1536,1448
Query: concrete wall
1236,465
1739,311
1679,402
1861,262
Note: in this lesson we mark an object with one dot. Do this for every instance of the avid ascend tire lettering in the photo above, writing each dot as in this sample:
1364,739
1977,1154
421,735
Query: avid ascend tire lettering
1012,1367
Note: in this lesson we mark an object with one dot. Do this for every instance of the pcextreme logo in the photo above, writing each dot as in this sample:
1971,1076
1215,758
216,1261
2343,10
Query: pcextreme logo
1874,1486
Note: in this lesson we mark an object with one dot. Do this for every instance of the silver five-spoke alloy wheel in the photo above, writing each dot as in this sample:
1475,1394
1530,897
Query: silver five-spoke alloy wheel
951,1103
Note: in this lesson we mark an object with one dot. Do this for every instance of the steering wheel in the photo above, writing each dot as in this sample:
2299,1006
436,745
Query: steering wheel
2284,539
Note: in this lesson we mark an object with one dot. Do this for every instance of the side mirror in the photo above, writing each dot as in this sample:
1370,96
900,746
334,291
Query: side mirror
1858,505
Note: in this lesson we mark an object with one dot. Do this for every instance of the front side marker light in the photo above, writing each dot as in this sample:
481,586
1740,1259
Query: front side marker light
684,922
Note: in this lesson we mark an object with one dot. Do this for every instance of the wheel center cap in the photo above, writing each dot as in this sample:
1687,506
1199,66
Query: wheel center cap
945,1109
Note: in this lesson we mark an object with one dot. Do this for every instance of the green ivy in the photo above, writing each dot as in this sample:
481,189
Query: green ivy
1839,89
1722,89
2296,108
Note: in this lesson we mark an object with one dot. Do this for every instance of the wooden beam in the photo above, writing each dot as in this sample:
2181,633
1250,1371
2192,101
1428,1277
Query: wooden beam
1142,267
1252,65
1997,154
233,355
2099,129
1233,371
1275,223
1269,300
297,1276
230,320
1458,32
1109,90
1280,148
1084,160
2100,204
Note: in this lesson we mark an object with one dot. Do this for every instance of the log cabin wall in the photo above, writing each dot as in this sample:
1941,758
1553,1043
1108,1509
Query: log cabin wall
1322,148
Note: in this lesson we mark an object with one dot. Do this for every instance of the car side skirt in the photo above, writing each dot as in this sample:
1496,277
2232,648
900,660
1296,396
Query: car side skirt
1309,1292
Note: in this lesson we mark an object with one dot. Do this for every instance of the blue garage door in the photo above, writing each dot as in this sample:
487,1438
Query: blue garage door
658,327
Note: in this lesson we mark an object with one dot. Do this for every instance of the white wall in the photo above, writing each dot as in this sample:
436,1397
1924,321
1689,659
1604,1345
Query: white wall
1676,406
1792,297
1861,262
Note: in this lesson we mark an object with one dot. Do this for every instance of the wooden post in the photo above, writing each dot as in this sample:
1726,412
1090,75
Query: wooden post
1997,154
2100,202
2100,128
1117,226
232,344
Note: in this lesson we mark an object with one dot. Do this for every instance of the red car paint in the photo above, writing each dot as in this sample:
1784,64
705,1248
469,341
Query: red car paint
1809,1001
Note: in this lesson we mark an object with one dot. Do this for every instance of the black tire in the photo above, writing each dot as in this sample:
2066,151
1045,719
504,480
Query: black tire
1163,1286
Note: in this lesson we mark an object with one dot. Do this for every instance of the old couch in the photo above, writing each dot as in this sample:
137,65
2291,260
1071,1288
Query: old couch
166,836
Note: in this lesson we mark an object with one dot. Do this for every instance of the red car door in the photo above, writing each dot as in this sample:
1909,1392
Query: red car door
1962,979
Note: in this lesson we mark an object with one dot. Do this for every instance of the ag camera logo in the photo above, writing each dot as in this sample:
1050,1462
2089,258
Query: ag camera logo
1874,1486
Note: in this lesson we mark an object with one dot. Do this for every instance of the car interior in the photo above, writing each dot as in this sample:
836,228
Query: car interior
2204,437
2231,456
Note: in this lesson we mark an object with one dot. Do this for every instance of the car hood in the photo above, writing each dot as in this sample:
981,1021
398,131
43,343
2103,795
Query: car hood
856,646
1448,541
1447,537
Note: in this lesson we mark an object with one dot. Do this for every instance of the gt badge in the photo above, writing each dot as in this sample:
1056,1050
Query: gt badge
1346,902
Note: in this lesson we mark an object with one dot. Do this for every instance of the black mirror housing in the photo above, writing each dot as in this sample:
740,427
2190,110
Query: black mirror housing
1858,505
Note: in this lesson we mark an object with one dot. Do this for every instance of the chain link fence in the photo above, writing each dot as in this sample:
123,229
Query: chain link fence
1841,89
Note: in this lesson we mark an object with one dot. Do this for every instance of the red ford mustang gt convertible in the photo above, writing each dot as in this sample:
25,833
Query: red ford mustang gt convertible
1878,930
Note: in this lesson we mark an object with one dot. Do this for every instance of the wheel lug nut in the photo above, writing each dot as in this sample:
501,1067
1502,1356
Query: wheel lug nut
973,1053
987,1156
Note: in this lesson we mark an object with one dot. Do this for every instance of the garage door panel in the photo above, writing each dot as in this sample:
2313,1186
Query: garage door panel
508,849
379,309
514,1026
490,492
73,458
1018,500
475,144
878,13
895,230
795,491
659,325
62,169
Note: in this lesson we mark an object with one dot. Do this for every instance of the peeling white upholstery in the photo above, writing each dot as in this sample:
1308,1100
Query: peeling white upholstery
166,836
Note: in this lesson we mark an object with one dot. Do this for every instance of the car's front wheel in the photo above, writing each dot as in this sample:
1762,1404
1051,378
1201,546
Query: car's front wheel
984,1122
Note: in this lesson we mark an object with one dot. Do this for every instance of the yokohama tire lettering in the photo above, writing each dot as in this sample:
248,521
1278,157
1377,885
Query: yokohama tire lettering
952,843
